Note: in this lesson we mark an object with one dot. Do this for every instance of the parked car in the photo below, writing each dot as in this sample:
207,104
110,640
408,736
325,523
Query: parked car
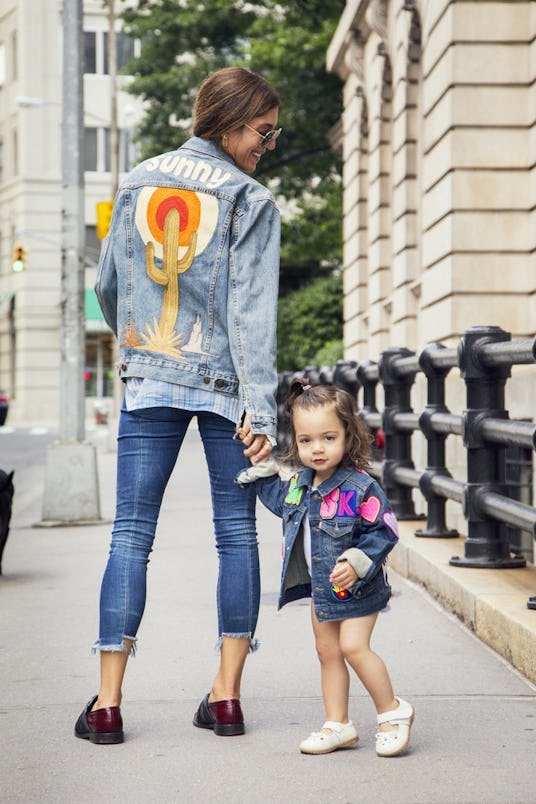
4,407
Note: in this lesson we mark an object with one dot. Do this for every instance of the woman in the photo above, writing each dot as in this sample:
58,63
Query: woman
188,281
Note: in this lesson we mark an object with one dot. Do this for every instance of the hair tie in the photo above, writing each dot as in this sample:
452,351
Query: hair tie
307,387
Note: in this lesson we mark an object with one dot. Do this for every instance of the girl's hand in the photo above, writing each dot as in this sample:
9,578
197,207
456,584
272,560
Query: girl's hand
258,447
343,575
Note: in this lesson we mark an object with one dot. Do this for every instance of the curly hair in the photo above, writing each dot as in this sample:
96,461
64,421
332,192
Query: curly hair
359,439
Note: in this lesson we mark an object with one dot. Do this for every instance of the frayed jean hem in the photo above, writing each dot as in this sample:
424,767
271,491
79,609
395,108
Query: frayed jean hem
254,643
121,648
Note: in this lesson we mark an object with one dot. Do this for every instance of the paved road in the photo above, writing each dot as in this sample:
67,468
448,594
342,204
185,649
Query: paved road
474,737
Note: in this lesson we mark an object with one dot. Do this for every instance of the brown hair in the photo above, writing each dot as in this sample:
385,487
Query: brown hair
302,396
229,98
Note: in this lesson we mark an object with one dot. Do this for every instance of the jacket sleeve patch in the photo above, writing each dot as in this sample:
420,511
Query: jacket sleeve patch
390,520
370,509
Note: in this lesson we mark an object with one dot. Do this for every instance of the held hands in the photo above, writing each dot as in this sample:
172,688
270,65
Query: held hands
258,447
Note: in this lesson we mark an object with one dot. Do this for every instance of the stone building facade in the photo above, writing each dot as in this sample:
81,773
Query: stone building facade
439,146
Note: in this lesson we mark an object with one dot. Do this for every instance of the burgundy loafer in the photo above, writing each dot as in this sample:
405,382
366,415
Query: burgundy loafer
225,718
103,726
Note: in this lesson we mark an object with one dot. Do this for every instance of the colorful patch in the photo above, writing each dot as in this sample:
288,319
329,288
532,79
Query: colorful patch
370,509
294,493
340,594
339,503
197,215
328,506
390,520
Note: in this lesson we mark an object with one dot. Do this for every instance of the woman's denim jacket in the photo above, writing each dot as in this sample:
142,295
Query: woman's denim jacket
350,519
188,277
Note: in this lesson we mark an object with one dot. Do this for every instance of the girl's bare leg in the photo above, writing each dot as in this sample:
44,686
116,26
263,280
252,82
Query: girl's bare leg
334,672
355,637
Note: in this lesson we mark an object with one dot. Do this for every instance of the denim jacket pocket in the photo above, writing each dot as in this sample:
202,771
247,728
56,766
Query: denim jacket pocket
340,536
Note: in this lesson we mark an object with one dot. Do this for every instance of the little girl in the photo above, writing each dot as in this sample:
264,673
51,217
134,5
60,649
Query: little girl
338,528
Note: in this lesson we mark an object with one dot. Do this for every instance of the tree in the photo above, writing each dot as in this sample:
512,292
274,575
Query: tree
308,320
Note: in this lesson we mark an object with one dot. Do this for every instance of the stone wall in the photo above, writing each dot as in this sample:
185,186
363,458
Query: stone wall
439,146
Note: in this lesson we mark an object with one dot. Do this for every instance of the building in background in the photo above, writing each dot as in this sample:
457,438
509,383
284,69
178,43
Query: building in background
439,146
30,196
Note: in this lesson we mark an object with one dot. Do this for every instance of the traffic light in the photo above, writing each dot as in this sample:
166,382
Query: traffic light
104,216
20,258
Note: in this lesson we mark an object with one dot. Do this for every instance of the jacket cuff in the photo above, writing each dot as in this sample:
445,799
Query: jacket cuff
358,560
262,469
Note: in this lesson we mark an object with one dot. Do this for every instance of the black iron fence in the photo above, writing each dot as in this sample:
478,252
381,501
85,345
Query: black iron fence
490,504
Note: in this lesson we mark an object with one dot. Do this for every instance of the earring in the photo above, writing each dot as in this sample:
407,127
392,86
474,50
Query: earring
225,140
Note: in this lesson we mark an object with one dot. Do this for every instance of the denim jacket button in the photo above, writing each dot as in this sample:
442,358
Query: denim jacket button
206,380
219,383
123,366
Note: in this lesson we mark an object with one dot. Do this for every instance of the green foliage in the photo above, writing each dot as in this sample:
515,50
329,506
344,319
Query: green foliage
311,239
329,354
308,319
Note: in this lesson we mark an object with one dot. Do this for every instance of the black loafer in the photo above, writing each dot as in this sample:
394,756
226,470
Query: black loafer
103,726
225,718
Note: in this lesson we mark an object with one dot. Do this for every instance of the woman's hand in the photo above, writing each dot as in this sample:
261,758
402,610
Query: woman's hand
258,447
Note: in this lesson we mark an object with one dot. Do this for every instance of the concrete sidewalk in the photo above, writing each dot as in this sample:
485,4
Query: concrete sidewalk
474,736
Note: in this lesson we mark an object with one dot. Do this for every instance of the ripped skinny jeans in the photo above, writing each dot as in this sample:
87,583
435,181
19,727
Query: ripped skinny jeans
149,442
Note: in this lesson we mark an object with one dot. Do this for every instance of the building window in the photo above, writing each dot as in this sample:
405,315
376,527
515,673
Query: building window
92,246
124,47
90,149
96,51
90,52
99,372
97,150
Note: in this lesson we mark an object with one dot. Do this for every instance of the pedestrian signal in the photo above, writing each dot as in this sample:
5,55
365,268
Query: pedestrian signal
104,216
20,257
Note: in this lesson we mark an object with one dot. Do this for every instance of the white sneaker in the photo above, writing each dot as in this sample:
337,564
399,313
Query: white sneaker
392,743
333,736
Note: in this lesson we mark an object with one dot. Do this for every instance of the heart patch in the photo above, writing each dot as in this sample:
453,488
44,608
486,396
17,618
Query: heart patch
390,520
370,509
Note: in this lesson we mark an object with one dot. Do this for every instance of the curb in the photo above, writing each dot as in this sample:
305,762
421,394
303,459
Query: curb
491,602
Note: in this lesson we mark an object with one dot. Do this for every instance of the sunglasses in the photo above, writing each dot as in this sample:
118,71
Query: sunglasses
267,138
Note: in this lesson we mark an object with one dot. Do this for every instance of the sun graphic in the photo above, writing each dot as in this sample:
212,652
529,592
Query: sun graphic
198,213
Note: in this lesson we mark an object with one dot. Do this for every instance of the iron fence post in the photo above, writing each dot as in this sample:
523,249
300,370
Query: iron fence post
486,544
345,377
436,524
397,390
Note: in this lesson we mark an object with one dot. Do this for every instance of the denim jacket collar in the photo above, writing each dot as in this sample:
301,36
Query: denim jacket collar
208,148
305,477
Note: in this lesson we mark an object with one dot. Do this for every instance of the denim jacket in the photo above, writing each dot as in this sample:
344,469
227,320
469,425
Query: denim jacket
188,277
349,510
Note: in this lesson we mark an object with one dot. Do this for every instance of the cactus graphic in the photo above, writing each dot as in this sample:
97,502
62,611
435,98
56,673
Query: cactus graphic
168,274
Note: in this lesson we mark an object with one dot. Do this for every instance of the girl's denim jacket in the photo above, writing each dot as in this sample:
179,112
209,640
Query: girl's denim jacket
350,519
188,277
